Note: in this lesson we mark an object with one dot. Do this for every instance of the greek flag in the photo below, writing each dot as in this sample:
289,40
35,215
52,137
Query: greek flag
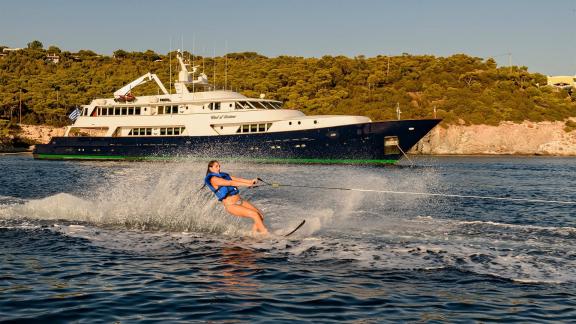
74,115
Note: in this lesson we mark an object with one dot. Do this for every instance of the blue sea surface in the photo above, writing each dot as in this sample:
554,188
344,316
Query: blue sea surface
143,242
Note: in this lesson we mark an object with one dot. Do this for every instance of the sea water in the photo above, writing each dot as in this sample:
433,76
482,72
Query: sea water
131,241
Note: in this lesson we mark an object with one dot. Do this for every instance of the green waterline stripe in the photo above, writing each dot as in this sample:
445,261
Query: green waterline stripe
163,158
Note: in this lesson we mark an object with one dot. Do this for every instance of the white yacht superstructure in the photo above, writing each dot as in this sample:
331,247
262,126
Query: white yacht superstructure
185,122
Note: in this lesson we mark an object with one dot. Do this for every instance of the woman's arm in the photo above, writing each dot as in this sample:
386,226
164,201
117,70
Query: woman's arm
217,182
250,182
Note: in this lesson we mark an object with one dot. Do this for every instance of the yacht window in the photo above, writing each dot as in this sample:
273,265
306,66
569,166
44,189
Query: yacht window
216,106
148,131
258,105
130,133
238,106
169,131
245,128
253,128
104,111
268,126
261,127
130,110
160,110
124,111
137,111
239,130
162,131
177,131
248,105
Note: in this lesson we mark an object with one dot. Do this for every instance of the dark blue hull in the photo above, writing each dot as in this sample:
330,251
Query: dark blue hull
377,142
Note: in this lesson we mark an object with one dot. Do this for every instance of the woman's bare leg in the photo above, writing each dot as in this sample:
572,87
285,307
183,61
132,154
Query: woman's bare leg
249,213
247,204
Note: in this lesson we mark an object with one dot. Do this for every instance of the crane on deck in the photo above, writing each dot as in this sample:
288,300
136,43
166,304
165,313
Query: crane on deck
124,94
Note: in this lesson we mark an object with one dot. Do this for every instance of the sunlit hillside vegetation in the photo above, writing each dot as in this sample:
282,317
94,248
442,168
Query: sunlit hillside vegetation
460,88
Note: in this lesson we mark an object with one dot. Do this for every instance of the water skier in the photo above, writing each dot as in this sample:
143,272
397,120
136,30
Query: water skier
224,186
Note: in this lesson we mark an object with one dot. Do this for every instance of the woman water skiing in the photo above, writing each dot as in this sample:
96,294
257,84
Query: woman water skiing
225,188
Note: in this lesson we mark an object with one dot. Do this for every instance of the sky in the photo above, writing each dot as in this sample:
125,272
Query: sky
534,33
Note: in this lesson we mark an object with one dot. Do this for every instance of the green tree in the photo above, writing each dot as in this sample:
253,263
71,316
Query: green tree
54,49
35,45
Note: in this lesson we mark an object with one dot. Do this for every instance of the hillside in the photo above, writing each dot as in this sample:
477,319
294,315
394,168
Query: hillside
461,89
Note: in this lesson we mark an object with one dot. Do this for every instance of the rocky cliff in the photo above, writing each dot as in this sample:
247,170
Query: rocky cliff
40,133
544,138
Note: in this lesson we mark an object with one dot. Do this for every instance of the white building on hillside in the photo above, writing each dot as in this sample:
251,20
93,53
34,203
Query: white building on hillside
562,81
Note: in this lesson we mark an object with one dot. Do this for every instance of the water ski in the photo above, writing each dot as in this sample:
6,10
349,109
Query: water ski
297,227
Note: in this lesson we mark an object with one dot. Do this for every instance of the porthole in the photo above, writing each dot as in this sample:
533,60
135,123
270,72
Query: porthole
289,123
315,122
299,123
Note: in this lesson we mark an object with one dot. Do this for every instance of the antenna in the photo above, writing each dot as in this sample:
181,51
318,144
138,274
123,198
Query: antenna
226,65
193,53
170,64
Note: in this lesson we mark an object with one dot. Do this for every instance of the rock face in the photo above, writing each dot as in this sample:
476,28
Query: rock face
40,133
544,138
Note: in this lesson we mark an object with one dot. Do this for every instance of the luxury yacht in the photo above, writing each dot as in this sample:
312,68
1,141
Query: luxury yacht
215,124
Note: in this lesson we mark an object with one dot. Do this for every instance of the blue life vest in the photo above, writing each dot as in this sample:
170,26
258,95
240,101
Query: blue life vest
222,191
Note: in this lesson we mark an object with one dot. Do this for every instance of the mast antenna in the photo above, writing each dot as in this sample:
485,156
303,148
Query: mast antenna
170,63
226,65
193,53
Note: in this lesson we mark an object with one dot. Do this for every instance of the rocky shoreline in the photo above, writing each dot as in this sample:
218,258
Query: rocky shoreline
527,138
508,138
